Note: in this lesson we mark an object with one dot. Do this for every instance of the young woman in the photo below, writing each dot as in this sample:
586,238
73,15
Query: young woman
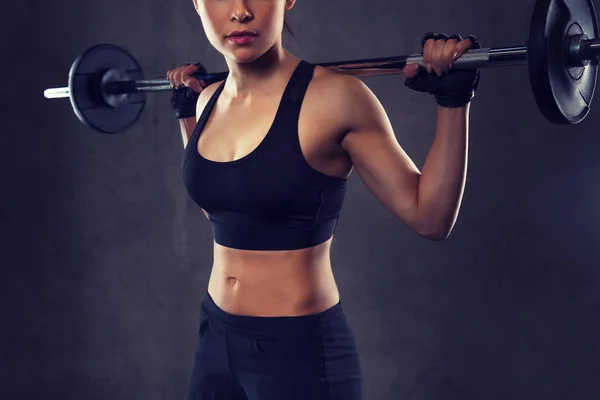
267,155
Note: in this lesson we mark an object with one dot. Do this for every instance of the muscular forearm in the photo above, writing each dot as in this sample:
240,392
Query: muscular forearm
187,126
442,180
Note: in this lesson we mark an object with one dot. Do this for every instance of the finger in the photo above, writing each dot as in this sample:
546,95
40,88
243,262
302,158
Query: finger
186,73
169,77
411,70
463,46
427,54
172,76
194,84
448,52
437,53
179,77
190,69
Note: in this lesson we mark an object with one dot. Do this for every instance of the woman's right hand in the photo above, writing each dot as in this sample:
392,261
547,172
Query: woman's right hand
181,76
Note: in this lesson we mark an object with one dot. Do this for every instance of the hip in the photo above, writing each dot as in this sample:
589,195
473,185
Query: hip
313,356
271,344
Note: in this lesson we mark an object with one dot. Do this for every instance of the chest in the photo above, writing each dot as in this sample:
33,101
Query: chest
273,158
234,130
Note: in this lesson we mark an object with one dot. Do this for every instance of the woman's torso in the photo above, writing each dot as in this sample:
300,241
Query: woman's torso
279,282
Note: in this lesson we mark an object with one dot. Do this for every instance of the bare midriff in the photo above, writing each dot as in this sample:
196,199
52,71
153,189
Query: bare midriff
273,283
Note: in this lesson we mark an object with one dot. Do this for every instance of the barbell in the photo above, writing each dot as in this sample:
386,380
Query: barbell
107,89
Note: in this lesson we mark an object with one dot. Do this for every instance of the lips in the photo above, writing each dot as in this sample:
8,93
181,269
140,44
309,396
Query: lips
241,40
235,34
242,37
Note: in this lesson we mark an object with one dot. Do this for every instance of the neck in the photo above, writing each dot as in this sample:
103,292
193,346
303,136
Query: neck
255,77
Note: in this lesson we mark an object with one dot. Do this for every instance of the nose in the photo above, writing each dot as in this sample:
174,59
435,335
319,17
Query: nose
241,13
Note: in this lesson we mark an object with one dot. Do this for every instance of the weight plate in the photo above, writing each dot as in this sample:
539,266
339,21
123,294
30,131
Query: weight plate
89,72
562,92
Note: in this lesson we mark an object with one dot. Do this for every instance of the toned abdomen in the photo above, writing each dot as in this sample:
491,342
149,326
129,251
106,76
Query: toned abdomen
273,283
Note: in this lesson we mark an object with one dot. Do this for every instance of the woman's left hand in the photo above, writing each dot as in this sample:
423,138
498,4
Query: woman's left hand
439,56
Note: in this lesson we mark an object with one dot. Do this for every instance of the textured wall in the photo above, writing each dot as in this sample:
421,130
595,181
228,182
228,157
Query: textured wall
105,258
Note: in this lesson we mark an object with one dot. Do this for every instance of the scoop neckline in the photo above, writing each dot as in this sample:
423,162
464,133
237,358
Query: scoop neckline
264,140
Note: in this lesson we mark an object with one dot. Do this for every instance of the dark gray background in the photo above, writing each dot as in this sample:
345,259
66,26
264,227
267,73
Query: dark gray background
105,258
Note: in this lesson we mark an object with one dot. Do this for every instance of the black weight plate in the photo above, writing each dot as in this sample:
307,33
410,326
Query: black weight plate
563,94
86,92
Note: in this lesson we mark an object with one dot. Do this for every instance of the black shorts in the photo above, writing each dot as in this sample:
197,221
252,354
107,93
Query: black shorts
275,358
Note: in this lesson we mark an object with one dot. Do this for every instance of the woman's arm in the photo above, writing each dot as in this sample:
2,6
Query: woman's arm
187,126
442,181
428,201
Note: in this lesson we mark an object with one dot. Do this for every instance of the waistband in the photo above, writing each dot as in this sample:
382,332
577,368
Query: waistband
273,326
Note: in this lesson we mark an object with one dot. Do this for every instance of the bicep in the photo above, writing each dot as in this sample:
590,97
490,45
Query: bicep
187,126
379,160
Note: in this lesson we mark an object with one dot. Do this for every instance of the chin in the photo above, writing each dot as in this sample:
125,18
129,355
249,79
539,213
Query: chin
245,55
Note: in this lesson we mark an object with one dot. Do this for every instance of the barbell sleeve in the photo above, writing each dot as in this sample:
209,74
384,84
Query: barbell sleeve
57,93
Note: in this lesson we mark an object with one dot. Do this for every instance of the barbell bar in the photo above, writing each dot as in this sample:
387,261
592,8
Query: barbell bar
107,89
483,58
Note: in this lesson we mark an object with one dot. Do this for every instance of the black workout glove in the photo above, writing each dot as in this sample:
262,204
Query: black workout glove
455,88
184,99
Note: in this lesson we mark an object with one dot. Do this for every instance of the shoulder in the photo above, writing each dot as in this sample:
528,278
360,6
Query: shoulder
205,97
337,85
344,96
